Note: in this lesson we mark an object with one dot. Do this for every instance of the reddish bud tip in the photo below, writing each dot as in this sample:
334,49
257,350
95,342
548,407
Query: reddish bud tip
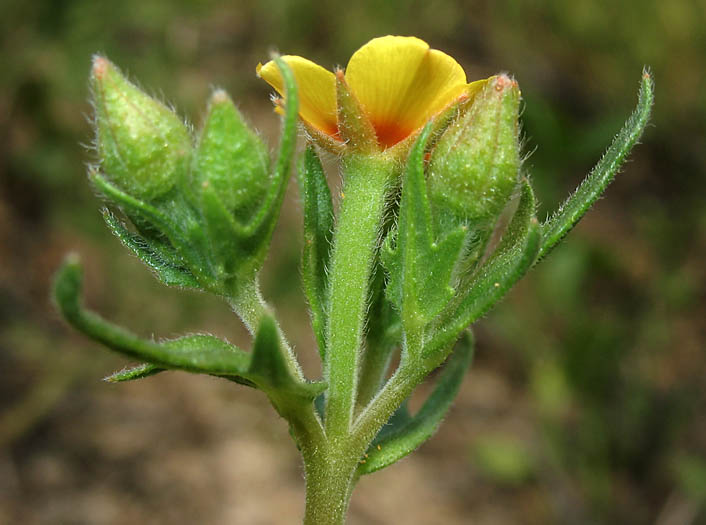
219,97
503,81
100,66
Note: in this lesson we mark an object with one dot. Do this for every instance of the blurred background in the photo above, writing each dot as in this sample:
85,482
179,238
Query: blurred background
586,402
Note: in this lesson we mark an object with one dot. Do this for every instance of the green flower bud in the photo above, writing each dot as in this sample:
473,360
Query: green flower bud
231,158
143,146
474,168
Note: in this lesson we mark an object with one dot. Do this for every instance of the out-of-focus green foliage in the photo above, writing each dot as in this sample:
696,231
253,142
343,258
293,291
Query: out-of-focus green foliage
615,370
503,459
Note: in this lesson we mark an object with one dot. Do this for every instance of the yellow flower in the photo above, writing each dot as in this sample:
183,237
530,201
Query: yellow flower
398,82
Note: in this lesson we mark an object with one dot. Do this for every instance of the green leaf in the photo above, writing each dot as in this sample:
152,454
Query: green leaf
521,221
264,368
394,426
318,230
132,206
269,371
137,372
421,277
493,280
570,212
236,250
231,249
208,354
184,235
264,220
196,353
166,271
408,433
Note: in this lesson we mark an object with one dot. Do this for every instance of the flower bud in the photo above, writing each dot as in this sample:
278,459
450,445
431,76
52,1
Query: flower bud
143,146
474,168
231,158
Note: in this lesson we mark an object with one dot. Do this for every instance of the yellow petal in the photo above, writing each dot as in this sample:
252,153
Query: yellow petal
317,90
401,83
474,87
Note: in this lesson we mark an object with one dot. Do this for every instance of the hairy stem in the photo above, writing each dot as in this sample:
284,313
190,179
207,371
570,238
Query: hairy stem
355,246
247,302
329,483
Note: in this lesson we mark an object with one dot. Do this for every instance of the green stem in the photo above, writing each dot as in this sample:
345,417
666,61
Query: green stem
392,395
305,424
409,374
366,180
247,302
330,478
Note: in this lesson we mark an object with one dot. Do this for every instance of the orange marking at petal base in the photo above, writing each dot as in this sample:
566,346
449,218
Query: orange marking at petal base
390,133
399,82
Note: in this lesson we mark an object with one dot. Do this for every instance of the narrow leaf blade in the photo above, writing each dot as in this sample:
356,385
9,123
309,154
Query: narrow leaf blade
230,248
424,268
198,353
173,230
435,273
268,369
318,230
392,446
167,272
489,285
136,372
521,219
570,212
264,220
